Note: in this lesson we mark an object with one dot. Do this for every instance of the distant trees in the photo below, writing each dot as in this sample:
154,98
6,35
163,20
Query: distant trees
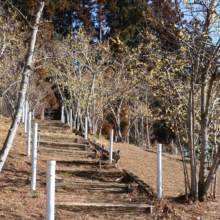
103,18
96,84
100,18
126,18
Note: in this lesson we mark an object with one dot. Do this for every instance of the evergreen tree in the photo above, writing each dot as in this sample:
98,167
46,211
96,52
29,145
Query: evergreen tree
65,14
77,13
125,18
100,18
84,10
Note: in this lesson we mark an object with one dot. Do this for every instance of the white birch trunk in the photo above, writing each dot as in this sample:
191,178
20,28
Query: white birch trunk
25,76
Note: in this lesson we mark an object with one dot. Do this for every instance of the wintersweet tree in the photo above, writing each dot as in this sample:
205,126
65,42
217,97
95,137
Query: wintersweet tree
188,80
202,47
12,55
79,67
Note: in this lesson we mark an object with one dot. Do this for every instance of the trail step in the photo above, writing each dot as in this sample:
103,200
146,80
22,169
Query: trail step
61,145
61,152
63,139
107,187
89,162
97,173
109,207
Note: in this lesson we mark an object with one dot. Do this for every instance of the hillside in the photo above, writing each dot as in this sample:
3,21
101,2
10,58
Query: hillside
17,203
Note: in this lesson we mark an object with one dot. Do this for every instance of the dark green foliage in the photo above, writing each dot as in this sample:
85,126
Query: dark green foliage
126,18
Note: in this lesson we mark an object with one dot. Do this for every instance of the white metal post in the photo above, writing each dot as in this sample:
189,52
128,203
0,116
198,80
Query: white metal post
51,164
62,114
26,117
159,172
111,145
33,114
71,119
23,113
27,107
86,127
29,135
176,153
34,157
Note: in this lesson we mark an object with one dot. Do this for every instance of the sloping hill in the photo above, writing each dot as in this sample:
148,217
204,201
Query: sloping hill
16,203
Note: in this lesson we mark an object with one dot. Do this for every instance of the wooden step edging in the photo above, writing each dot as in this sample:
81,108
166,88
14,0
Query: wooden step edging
66,139
82,148
66,152
84,173
98,147
105,207
93,185
94,144
61,144
143,187
100,187
63,151
89,162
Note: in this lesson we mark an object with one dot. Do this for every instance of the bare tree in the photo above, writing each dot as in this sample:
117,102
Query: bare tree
25,76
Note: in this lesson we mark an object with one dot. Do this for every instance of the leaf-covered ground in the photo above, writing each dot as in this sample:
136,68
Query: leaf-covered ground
16,203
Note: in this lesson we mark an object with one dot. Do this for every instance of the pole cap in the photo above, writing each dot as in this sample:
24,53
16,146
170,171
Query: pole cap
51,162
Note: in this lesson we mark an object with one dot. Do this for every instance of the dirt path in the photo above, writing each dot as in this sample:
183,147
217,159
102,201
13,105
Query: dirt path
15,203
83,184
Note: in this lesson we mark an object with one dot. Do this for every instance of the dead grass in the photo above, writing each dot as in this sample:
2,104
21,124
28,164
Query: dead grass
15,203
144,164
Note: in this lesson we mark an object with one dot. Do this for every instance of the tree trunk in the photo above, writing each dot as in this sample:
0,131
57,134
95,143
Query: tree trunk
204,142
216,175
75,117
82,123
103,120
186,179
100,24
78,120
118,130
128,131
203,159
25,76
42,114
193,190
67,118
142,130
9,105
137,132
147,125
215,187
